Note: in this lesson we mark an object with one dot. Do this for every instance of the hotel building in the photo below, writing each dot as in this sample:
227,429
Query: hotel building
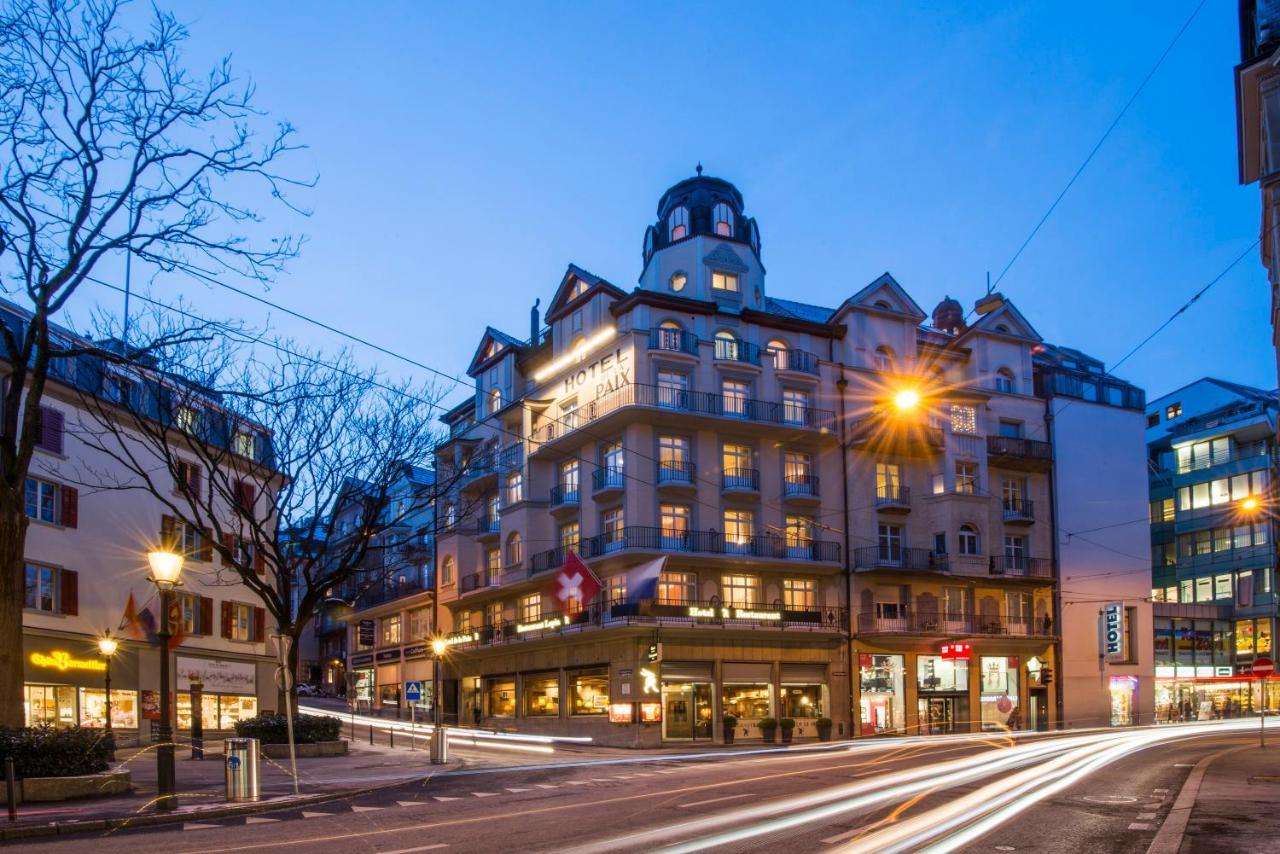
855,504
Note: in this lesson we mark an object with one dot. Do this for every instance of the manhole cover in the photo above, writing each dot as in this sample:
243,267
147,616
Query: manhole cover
1110,799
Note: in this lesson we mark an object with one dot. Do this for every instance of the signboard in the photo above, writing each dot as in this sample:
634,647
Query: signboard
1263,667
366,632
650,713
418,650
1113,639
958,651
151,705
621,713
606,374
412,692
388,655
219,677
357,660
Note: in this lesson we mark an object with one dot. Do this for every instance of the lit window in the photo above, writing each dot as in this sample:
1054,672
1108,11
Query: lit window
242,622
515,549
678,224
727,346
739,529
724,282
673,389
495,400
531,608
740,591
778,352
613,527
678,281
186,418
964,419
966,478
677,588
800,594
795,406
390,630
245,445
735,397
722,216
968,540
569,480
492,567
569,536
1173,410
447,570
579,288
515,487
798,531
674,520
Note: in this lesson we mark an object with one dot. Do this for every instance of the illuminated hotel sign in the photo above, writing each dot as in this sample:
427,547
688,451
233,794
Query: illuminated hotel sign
62,661
609,373
1113,631
549,623
469,637
734,614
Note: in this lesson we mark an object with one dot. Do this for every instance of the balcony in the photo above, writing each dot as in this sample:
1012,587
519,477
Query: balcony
1019,566
511,457
608,480
893,498
690,542
740,480
713,615
886,436
1018,511
800,487
564,498
670,399
799,361
737,351
953,625
1014,452
488,526
897,557
675,474
478,467
673,341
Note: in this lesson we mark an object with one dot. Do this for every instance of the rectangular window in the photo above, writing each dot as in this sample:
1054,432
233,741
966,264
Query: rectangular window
612,459
531,608
500,697
938,483
1173,410
889,482
740,591
953,604
677,588
890,540
673,453
796,467
673,389
493,614
245,445
186,419
241,622
1204,589
589,690
964,419
1011,429
736,460
492,567
542,695
617,587
798,531
41,588
419,623
800,594
613,527
569,536
569,414
515,487
569,480
739,529
940,542
674,522
966,478
735,395
795,406
43,500
390,630
1222,586
724,282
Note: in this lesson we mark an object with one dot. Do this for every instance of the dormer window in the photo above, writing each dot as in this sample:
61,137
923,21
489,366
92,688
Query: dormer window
579,288
722,216
678,224
495,400
724,282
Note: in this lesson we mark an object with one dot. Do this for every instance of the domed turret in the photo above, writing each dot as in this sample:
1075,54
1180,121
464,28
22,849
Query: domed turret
949,316
701,205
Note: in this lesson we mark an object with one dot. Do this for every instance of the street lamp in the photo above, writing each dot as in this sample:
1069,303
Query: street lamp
906,400
166,572
439,744
107,645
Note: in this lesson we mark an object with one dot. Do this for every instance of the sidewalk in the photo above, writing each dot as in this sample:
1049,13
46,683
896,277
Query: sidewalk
1237,807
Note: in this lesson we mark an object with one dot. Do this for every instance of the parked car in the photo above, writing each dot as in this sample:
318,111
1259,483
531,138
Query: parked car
306,689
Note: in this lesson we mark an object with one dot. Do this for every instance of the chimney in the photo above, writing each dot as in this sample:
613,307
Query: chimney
535,325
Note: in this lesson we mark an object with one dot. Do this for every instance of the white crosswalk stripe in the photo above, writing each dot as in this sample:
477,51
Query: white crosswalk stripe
258,819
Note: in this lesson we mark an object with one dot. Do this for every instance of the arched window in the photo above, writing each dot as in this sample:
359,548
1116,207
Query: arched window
669,335
1004,380
678,281
678,224
515,549
969,541
726,345
722,217
778,352
446,570
884,358
495,400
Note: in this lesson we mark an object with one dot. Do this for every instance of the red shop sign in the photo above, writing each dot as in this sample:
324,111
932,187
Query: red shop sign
958,651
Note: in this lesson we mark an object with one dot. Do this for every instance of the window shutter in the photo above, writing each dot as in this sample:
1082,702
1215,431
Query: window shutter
168,538
206,616
259,561
259,624
193,480
50,432
206,544
226,620
245,494
228,543
70,592
70,506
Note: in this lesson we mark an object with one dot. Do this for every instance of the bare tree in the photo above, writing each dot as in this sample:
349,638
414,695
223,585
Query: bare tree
110,147
255,454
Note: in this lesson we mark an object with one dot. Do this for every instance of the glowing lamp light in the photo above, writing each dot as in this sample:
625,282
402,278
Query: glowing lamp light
1250,504
166,567
108,645
906,400
439,645
575,354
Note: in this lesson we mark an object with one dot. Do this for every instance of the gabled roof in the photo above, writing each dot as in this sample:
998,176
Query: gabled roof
1246,391
506,342
564,294
885,289
1006,320
798,310
725,258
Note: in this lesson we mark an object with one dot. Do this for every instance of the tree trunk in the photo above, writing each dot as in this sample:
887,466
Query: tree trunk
13,535
291,664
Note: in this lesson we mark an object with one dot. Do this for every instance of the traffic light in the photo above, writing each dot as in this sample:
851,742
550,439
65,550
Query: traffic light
1046,675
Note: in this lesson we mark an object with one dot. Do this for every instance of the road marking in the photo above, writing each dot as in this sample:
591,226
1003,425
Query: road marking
578,783
485,794
1139,825
1170,835
195,825
257,819
445,798
1161,791
715,800
514,790
546,786
355,808
1146,816
411,803
306,814
1183,765
601,780
1109,799
419,848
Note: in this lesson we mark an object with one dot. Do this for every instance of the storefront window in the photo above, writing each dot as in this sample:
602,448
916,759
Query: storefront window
802,701
1244,637
217,711
1000,693
883,700
590,690
934,673
364,685
389,695
746,702
542,695
124,708
500,697
52,705
1124,691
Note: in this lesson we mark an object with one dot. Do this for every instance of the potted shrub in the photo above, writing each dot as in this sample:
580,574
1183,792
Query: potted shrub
788,726
824,729
769,729
730,726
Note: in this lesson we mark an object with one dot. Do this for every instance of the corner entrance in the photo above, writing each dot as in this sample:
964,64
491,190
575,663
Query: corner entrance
686,710
943,715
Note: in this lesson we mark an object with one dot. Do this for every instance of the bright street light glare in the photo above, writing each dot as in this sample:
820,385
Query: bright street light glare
906,399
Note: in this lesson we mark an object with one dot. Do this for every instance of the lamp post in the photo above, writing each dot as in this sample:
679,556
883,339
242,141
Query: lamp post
166,571
439,744
107,645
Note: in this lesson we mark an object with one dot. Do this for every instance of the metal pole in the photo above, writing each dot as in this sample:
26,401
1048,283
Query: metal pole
11,788
286,685
413,726
1262,711
197,718
111,736
166,783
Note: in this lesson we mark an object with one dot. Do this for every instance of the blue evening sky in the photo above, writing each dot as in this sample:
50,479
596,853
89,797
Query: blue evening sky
467,153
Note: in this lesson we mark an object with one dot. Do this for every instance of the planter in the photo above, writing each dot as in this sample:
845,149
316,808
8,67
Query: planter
824,732
311,750
728,736
35,789
770,735
786,736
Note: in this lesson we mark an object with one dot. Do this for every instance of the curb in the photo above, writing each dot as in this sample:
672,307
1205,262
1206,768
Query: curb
1172,831
72,826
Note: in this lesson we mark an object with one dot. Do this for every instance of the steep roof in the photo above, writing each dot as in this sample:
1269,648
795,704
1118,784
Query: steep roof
799,310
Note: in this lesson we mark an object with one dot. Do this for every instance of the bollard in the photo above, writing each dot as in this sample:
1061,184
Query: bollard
197,719
11,788
391,736
371,733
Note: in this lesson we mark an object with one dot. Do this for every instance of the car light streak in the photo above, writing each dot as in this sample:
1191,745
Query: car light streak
454,734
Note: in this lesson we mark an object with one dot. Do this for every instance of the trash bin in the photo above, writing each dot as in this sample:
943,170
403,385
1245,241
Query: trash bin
439,746
242,769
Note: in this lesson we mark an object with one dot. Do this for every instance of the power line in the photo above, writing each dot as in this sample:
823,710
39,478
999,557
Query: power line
1101,140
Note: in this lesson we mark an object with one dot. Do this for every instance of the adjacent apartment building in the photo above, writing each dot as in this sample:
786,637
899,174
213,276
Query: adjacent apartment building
1212,454
839,514
86,562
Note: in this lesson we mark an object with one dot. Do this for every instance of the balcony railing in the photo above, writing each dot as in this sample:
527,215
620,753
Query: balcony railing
511,457
692,402
608,478
741,480
479,466
488,525
800,486
953,625
794,360
1018,510
737,351
1021,566
564,496
897,557
673,341
1018,449
884,434
655,612
1253,451
893,495
675,473
696,542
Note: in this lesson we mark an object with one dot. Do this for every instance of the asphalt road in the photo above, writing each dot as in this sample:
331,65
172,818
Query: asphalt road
1078,793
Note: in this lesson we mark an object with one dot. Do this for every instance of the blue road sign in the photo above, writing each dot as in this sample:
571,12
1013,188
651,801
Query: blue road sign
412,691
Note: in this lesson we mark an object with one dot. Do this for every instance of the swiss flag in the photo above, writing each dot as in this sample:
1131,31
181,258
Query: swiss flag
574,585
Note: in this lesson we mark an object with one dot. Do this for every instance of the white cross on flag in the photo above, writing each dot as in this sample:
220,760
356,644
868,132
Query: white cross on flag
574,585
